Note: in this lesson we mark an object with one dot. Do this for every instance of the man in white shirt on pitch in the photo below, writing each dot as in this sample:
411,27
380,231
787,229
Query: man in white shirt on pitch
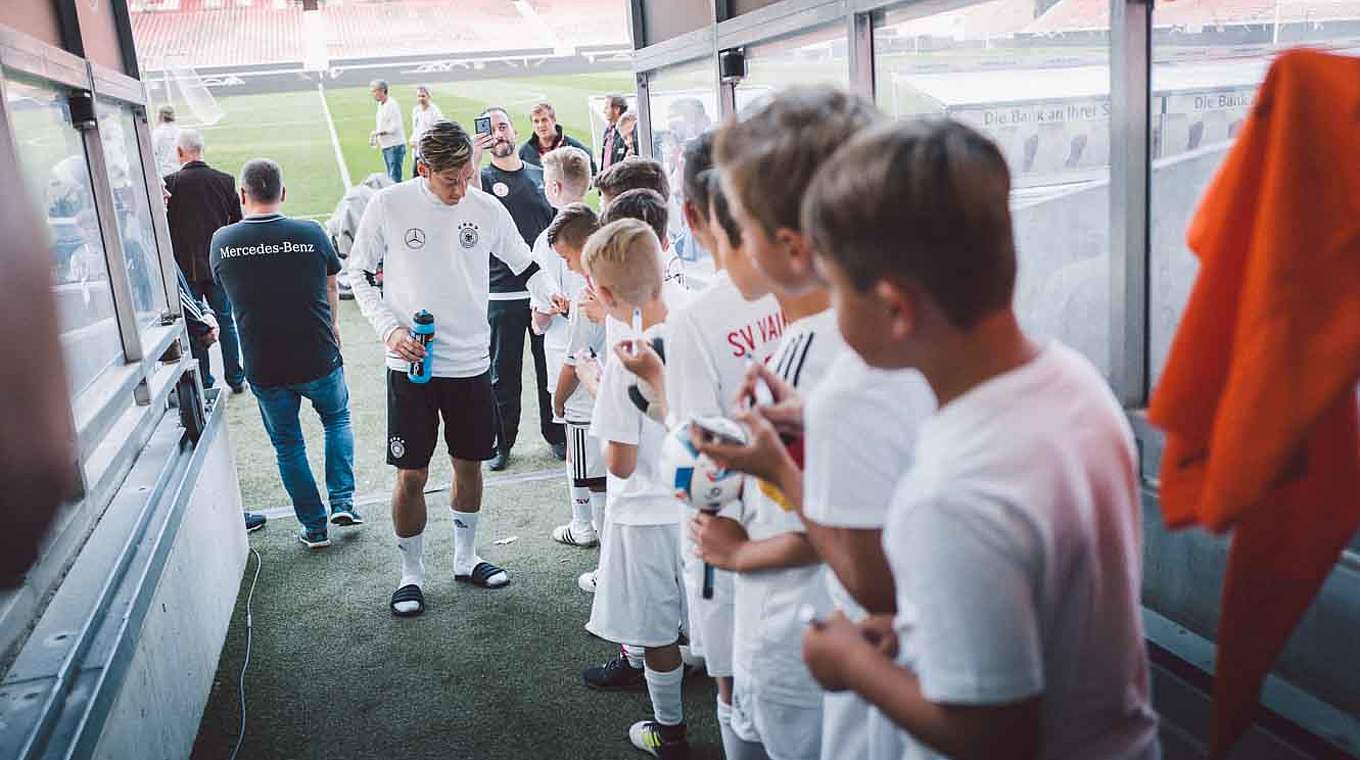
163,139
390,134
424,114
435,236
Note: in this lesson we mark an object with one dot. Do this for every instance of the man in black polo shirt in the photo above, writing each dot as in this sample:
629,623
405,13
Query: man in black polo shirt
519,187
280,276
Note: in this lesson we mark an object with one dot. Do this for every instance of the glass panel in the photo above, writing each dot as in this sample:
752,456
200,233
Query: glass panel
684,103
818,57
1207,65
52,156
1035,77
118,133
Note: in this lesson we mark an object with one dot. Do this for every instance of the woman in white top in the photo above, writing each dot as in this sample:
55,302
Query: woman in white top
424,114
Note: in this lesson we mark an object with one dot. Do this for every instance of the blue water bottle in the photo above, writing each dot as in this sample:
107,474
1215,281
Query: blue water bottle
422,329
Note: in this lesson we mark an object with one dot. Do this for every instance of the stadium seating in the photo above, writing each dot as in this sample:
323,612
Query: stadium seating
1077,15
224,33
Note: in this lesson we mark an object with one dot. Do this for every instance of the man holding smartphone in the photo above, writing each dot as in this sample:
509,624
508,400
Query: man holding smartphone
519,187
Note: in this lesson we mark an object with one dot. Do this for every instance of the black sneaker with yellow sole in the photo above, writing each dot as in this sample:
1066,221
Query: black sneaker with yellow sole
661,741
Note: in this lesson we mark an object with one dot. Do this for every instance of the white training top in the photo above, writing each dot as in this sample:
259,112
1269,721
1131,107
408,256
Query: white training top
564,281
422,119
436,257
712,340
860,428
389,120
768,640
1015,543
643,498
583,338
163,139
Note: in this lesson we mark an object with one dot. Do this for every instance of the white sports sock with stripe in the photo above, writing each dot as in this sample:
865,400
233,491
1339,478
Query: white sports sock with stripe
597,502
580,512
464,542
412,566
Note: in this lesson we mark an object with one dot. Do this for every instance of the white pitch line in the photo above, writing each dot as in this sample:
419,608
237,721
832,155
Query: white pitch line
335,139
494,480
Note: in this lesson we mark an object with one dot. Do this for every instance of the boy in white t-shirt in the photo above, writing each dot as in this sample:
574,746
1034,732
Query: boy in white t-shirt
572,400
1015,540
566,178
766,160
640,600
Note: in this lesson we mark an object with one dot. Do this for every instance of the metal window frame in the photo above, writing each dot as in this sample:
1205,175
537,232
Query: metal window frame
1130,211
780,20
115,416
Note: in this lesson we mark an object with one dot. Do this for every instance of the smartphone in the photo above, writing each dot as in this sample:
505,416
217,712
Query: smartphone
720,430
482,125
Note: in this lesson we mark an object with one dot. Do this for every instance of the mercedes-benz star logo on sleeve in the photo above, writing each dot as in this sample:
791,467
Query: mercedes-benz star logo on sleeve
415,238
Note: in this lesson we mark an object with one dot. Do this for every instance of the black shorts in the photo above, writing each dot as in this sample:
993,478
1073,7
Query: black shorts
413,411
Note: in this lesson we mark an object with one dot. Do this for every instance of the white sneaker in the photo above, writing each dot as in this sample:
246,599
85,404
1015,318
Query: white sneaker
565,534
587,581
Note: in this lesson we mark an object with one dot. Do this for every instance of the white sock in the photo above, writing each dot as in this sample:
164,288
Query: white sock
580,511
634,655
597,499
464,542
664,689
735,747
724,712
412,566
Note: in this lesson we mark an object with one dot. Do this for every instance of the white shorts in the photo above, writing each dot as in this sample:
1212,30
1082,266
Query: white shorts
711,621
584,458
887,741
639,595
845,725
788,732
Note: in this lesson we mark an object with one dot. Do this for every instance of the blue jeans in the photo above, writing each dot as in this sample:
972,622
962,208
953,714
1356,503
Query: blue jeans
279,405
394,158
217,299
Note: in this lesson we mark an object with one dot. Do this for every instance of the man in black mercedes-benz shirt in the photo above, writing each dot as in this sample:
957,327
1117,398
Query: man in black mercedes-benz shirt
519,187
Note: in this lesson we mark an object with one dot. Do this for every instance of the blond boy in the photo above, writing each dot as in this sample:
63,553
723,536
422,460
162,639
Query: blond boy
640,601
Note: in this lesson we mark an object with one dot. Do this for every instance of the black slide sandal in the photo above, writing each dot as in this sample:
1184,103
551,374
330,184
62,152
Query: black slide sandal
481,574
408,593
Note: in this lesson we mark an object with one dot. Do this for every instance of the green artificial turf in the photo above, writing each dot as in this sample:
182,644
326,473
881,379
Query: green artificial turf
290,127
491,675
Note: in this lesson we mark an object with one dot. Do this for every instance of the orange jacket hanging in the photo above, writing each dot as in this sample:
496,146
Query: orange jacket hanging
1258,398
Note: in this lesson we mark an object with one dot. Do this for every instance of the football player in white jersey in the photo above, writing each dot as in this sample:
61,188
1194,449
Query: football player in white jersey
434,236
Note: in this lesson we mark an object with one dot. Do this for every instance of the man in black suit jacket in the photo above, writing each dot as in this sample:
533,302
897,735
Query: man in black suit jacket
615,147
202,200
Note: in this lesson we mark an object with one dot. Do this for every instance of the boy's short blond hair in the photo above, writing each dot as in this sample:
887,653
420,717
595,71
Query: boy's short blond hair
625,256
572,166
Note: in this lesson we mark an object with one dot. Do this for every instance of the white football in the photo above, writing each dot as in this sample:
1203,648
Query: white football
697,481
